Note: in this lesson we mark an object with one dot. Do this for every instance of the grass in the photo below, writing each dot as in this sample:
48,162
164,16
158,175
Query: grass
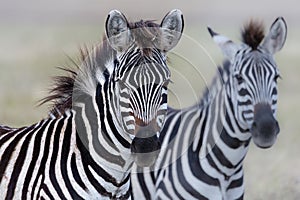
29,55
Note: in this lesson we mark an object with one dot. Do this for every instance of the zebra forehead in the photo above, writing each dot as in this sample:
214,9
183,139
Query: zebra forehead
144,32
259,58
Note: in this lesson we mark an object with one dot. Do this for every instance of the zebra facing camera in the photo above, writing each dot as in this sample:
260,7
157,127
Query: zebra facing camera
156,77
147,80
174,80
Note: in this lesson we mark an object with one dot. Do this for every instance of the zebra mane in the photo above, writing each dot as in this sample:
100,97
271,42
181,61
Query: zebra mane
253,33
61,92
218,80
83,78
144,32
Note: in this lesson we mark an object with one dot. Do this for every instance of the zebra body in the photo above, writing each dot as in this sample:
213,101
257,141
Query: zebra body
104,116
203,146
54,166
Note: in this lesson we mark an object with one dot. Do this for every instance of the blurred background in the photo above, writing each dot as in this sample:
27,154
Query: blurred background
38,36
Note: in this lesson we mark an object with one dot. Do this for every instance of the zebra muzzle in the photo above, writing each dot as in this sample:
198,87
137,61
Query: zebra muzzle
265,127
145,147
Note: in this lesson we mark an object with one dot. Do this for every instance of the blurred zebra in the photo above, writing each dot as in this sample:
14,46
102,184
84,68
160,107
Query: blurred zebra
203,146
106,114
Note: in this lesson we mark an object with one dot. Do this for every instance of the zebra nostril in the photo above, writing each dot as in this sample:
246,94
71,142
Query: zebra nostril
254,128
254,125
145,145
277,128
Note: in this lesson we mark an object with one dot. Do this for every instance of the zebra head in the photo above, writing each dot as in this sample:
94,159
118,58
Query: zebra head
141,77
253,79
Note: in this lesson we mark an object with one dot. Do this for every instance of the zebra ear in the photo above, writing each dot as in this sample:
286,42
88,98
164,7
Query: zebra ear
117,31
275,40
171,27
228,47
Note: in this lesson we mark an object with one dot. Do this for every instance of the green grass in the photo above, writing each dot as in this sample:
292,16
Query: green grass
29,55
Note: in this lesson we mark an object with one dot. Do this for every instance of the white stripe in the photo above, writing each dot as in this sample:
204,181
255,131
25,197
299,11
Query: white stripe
24,168
47,180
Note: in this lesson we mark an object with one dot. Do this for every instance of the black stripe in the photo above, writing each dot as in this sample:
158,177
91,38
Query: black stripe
125,196
235,184
143,185
42,166
88,161
182,180
124,142
203,115
197,169
221,157
57,132
166,124
99,100
5,138
164,97
174,128
19,163
173,134
170,177
4,130
75,172
92,116
162,187
152,177
64,159
9,150
241,197
231,108
47,192
228,121
35,154
233,143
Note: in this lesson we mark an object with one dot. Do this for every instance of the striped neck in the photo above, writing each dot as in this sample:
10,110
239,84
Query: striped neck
224,143
101,135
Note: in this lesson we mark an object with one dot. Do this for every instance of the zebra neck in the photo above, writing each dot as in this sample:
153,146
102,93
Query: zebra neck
105,171
115,113
99,137
224,143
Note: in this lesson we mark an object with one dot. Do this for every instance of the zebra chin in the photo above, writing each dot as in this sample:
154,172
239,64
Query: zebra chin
265,127
145,147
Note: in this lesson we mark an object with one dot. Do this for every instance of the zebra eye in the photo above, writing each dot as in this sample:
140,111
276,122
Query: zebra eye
166,83
276,77
239,78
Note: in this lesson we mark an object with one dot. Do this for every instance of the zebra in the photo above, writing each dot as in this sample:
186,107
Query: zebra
107,113
203,146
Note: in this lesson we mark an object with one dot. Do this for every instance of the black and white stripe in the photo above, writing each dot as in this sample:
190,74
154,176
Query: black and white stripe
83,150
203,146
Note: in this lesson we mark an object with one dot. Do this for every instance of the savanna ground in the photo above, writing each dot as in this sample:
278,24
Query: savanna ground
36,37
